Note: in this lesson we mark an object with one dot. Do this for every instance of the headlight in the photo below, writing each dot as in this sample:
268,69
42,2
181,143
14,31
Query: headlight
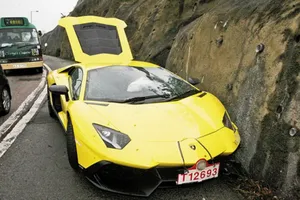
112,138
34,59
227,122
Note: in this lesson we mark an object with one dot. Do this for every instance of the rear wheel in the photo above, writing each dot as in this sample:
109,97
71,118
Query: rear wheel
5,101
71,146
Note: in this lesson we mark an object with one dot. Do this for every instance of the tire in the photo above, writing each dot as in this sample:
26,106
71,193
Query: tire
71,146
5,101
50,109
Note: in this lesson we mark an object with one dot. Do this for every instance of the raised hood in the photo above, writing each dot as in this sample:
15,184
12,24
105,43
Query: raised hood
192,117
96,39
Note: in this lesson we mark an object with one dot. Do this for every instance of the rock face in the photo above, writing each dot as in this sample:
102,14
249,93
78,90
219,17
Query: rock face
217,41
79,2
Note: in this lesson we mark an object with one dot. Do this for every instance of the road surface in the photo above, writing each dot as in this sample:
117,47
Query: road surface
22,83
36,167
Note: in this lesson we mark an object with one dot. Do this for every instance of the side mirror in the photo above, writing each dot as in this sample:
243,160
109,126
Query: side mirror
194,81
60,90
40,33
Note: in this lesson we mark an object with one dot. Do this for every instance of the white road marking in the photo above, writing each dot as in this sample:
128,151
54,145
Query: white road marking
19,127
16,115
15,132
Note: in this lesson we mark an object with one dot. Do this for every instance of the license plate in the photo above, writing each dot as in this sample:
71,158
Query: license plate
194,175
19,65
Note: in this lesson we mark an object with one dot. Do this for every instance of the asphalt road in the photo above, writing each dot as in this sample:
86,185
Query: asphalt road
22,83
36,167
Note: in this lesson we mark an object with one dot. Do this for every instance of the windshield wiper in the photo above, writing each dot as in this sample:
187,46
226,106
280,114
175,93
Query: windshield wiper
129,100
143,98
184,95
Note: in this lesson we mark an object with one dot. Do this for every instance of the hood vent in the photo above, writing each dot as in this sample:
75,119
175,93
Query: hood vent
202,94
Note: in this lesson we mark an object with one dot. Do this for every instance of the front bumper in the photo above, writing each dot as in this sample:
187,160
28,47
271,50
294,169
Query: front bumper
22,65
133,181
139,170
146,155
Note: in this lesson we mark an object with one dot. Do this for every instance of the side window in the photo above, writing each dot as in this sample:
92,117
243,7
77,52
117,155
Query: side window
76,82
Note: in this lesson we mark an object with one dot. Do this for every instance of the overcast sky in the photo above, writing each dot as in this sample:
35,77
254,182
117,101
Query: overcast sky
47,17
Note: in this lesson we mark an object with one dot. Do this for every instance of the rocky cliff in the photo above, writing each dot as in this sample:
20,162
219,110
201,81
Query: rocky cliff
245,52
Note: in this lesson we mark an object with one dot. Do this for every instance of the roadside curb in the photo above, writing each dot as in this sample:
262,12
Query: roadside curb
9,124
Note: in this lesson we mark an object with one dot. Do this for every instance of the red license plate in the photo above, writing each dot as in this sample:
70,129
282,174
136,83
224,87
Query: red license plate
194,175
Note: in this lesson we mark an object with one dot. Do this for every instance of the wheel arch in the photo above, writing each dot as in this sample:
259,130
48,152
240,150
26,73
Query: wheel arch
68,116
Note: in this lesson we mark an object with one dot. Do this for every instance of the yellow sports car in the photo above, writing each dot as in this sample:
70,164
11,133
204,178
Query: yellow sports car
132,126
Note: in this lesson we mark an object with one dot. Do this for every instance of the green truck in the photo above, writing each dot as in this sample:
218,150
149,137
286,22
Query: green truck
20,46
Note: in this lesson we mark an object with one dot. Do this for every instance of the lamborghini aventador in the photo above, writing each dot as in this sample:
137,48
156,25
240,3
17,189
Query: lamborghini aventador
132,126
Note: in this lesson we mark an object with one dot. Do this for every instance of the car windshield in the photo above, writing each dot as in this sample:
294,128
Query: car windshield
122,83
13,36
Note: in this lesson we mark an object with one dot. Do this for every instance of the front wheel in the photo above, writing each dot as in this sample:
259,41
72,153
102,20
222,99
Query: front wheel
5,101
71,146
